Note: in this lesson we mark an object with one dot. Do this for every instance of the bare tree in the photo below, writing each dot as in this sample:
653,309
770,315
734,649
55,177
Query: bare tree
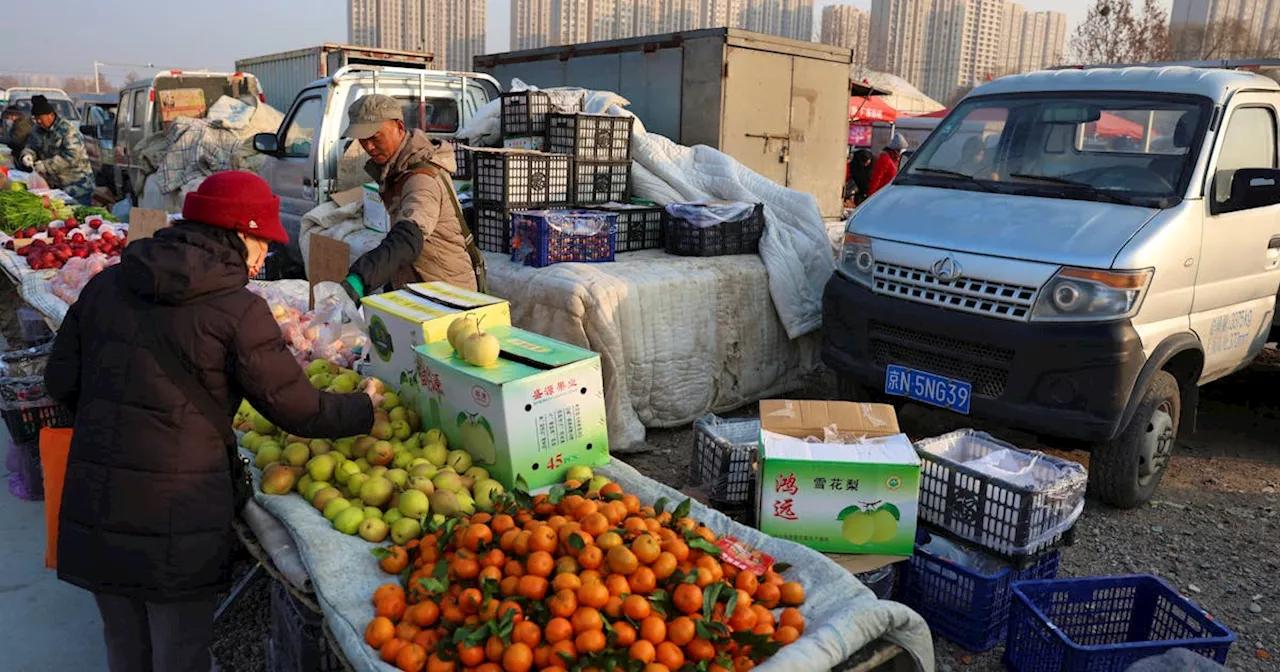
9,81
1117,31
130,78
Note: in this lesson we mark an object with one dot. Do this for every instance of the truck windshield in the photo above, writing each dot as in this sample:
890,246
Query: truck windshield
1135,149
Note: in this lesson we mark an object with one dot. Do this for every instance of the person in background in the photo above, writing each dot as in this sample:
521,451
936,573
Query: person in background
887,164
972,156
56,150
17,125
860,174
428,239
150,489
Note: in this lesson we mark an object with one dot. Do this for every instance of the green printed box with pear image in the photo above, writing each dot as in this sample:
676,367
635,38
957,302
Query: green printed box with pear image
859,497
421,313
538,411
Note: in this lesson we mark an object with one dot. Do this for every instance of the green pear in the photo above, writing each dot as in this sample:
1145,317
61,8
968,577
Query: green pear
278,480
414,504
321,381
597,482
362,445
268,453
413,445
447,481
414,419
485,492
377,471
250,440
321,467
324,496
345,383
345,447
373,530
424,469
579,473
316,366
459,460
302,485
435,436
262,425
444,502
390,400
398,413
296,454
372,512
402,460
466,504
392,515
400,429
334,507
399,477
355,482
405,530
477,474
344,471
363,464
348,521
377,491
320,446
436,453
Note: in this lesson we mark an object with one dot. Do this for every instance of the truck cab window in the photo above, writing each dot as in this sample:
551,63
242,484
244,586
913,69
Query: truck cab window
300,133
1249,142
139,116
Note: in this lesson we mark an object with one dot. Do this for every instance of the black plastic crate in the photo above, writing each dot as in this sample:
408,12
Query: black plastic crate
590,137
724,458
1015,521
25,423
525,113
601,182
521,179
298,642
492,229
639,227
462,156
688,240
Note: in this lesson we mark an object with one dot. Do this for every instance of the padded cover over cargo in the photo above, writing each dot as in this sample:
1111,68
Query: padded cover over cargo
842,615
677,336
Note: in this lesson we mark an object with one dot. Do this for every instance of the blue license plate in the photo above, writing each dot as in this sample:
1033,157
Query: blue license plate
928,388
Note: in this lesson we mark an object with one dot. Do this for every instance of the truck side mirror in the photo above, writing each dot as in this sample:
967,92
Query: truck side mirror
266,143
1253,188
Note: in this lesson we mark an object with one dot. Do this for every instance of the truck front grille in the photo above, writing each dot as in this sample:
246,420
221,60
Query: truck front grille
985,367
971,295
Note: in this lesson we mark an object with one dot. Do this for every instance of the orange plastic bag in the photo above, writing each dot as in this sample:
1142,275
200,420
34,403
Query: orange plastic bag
55,446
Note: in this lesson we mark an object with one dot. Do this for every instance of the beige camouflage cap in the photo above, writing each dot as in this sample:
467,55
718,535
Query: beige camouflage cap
365,116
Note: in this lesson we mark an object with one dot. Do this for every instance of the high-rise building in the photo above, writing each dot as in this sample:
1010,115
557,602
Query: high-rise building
1223,28
849,27
899,32
453,30
1030,40
570,21
530,24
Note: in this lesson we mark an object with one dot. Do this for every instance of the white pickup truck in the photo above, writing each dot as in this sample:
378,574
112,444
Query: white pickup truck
1074,253
304,154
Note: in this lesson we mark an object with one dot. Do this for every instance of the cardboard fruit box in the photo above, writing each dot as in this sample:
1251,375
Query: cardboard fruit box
534,414
421,313
858,497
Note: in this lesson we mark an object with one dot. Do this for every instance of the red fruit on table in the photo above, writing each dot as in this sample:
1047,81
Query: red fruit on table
95,223
77,236
38,242
8,244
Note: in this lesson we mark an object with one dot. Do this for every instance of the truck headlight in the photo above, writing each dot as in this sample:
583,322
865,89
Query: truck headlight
857,262
1089,295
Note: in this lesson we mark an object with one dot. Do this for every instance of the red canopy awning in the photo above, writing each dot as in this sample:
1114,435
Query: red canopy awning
862,108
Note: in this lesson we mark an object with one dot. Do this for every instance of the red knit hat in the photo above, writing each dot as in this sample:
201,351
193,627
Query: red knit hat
239,201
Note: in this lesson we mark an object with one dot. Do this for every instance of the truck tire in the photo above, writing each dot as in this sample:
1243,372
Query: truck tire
1125,472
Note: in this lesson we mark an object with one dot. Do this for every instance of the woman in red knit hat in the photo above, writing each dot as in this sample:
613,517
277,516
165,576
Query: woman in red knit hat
154,359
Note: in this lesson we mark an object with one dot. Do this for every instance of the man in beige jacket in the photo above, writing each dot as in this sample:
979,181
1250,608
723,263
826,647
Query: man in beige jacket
428,239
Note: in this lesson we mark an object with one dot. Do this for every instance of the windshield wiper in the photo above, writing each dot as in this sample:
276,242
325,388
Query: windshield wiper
1106,194
951,173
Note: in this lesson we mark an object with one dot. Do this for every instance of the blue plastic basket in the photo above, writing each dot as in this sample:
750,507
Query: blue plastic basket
543,237
1105,624
967,607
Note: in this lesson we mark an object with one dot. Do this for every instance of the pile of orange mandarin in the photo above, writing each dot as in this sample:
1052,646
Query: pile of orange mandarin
570,580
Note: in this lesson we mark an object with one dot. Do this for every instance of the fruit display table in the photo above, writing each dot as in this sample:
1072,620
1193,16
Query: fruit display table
847,620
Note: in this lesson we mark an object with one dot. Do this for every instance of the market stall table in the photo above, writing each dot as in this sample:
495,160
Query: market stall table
678,336
851,628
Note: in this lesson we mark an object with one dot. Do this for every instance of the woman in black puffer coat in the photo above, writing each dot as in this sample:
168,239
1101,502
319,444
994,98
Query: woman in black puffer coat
148,498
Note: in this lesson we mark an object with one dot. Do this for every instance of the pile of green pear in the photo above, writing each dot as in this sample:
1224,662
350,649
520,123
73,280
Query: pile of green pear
389,483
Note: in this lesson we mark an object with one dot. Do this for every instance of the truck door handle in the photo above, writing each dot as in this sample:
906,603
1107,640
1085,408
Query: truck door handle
306,182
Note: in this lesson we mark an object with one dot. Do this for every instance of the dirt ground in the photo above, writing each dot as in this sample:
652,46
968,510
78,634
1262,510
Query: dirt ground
1212,530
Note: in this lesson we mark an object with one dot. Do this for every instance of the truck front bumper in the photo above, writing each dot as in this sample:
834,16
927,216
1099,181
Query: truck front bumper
1065,380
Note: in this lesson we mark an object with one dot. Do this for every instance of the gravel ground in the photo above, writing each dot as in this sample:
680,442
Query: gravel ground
1211,532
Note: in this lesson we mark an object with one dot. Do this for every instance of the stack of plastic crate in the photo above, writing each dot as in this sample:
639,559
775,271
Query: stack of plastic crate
990,514
505,181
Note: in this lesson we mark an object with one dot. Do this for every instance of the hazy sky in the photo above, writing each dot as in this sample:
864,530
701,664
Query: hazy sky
201,34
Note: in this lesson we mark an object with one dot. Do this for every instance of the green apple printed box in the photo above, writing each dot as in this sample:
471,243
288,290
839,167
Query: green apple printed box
841,497
538,411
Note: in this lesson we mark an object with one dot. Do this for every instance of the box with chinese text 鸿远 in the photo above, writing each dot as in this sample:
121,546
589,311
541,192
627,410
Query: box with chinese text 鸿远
534,414
851,488
420,313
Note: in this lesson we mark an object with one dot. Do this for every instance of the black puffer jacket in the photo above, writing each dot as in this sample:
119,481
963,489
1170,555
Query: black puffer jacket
147,503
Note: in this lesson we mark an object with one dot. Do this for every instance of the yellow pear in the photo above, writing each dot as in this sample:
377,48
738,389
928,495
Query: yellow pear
459,329
481,349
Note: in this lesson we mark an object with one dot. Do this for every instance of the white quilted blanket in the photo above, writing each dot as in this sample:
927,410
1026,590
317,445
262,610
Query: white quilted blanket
677,336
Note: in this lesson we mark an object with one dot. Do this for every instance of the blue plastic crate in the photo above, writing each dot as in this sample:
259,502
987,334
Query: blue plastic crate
543,237
967,606
1105,624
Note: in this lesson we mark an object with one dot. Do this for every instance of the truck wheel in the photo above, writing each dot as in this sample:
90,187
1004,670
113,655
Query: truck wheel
1126,471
